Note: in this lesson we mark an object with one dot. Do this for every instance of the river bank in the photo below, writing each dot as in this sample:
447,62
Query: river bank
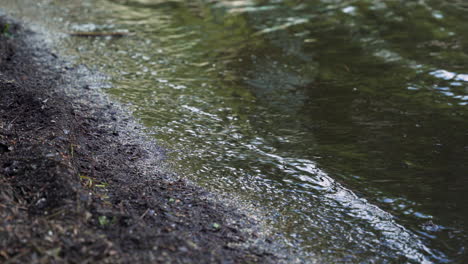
79,186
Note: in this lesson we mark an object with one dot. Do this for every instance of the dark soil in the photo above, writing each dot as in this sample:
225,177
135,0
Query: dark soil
71,190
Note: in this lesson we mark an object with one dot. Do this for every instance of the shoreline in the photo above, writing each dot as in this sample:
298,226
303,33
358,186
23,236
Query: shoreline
80,182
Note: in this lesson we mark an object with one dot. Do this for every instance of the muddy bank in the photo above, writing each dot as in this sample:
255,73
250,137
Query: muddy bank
76,186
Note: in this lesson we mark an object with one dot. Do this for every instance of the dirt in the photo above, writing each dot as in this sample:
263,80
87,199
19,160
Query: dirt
74,188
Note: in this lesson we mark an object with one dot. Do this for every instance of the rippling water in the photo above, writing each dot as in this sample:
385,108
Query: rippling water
346,120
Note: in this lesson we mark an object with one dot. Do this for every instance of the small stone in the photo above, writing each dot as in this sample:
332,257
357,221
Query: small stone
183,249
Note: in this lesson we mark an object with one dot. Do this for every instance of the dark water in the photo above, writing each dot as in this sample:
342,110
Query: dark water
345,120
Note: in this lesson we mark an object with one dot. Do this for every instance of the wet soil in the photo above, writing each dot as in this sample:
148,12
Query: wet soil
73,188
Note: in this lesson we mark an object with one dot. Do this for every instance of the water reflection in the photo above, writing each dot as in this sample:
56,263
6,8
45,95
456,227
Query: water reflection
346,119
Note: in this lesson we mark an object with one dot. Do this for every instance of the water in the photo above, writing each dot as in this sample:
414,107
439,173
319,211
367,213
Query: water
345,120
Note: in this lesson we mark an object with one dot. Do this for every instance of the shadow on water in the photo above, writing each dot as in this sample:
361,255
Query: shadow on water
345,119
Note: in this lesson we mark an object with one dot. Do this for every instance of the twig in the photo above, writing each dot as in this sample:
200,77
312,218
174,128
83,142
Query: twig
11,123
98,34
20,255
143,215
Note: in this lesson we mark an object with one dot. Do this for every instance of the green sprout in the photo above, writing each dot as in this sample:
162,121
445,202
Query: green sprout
6,30
103,221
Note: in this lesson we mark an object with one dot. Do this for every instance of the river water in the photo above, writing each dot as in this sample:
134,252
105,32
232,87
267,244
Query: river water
346,121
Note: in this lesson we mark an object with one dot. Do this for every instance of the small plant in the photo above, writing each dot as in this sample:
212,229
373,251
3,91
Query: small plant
103,220
87,181
6,30
92,183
